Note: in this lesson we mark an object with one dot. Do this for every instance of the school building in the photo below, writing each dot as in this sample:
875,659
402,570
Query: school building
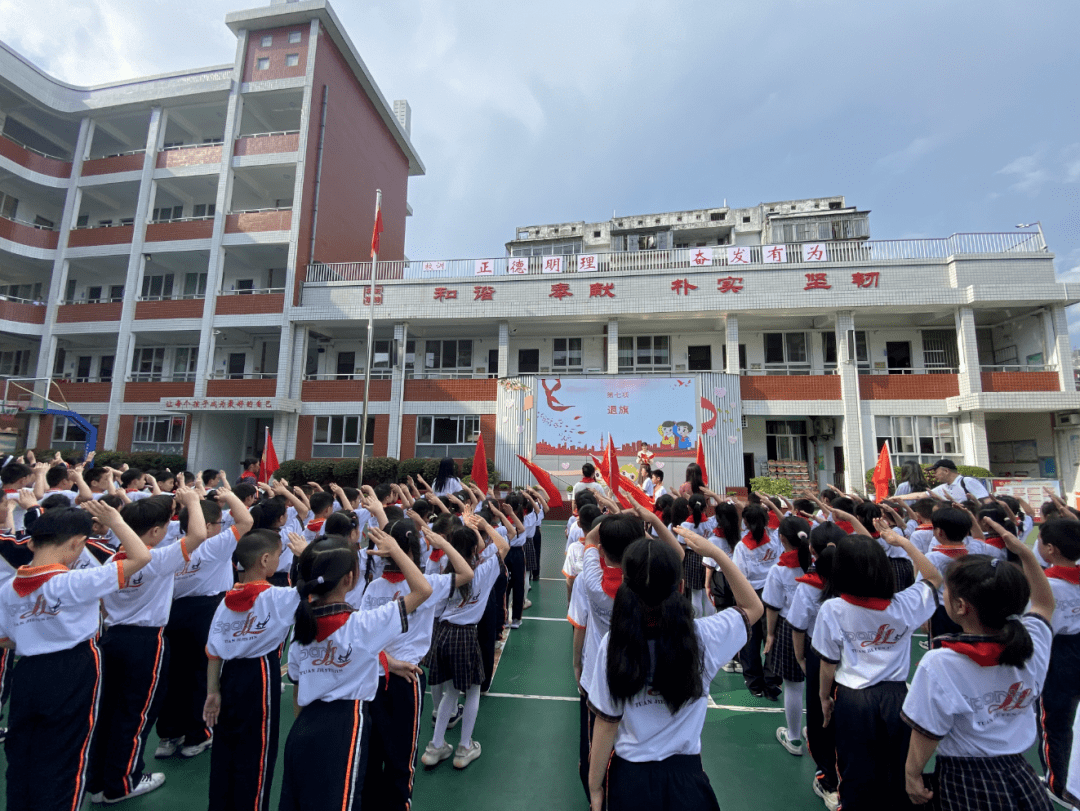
183,259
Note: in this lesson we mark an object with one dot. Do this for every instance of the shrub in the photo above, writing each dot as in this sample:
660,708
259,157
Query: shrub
293,471
772,487
424,467
377,470
320,471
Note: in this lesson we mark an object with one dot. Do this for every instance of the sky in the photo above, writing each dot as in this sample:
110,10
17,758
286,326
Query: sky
937,117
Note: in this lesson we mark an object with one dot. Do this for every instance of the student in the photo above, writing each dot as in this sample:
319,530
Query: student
250,472
588,481
649,685
446,481
398,705
755,554
211,478
243,698
1059,545
16,476
100,481
923,534
51,616
777,594
658,490
912,479
992,545
951,528
863,638
59,480
575,549
973,697
455,653
334,662
690,515
133,483
321,505
515,560
726,533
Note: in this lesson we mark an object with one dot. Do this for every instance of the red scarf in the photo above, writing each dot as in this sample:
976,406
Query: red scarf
394,577
994,541
748,539
588,480
951,551
984,654
811,579
925,526
846,526
29,579
325,626
436,555
1070,574
873,603
316,526
774,522
241,597
789,560
612,578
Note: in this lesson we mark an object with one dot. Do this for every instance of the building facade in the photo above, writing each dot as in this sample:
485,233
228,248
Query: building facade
182,259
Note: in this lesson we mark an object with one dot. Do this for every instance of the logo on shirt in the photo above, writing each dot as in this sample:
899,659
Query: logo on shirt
249,627
321,657
189,568
41,609
135,582
885,635
770,555
1017,697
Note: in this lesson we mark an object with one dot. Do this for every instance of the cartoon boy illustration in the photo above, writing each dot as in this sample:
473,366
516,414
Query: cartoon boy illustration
666,430
683,429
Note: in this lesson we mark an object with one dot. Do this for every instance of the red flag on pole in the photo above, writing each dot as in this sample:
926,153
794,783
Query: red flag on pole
544,480
479,465
701,461
375,233
601,465
612,469
883,473
636,493
268,462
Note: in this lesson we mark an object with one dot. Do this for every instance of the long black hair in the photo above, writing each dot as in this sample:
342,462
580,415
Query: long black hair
663,506
465,540
862,569
757,519
999,592
823,540
727,522
649,607
694,477
319,571
680,511
447,471
912,473
796,531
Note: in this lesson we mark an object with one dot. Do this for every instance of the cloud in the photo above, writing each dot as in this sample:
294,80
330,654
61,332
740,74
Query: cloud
904,159
1071,158
1028,171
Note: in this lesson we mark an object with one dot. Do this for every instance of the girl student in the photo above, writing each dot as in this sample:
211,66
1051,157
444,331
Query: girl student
912,479
397,707
690,515
650,681
755,554
904,572
812,589
695,482
863,638
726,532
334,662
973,696
243,699
779,589
455,655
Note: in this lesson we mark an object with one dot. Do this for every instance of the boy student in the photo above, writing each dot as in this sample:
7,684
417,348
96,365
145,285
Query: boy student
135,651
322,507
588,480
134,482
199,586
51,616
100,481
15,476
59,481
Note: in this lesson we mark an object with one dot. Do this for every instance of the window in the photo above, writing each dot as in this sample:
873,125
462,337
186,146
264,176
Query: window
528,361
555,249
93,294
148,363
185,359
339,438
168,213
41,222
157,287
159,434
919,439
68,436
116,293
82,368
786,353
940,352
82,221
203,210
267,41
292,60
440,436
822,230
194,285
262,63
294,37
742,356
449,357
786,439
105,368
383,359
346,364
59,361
566,354
8,206
14,363
862,351
644,353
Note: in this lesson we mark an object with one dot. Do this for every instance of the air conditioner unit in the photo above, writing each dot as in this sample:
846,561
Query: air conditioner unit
1070,419
824,427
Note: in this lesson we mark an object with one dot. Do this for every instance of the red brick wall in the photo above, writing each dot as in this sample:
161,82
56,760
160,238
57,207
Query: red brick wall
488,429
143,392
26,313
166,231
70,313
45,429
258,221
254,303
1020,381
305,430
451,390
276,52
908,387
408,436
125,431
117,235
240,388
790,387
26,235
85,392
342,391
382,428
185,308
268,145
121,163
34,162
190,156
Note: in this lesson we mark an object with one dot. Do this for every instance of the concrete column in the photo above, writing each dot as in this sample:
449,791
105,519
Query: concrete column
731,341
397,392
853,429
1058,345
967,341
504,349
613,347
973,436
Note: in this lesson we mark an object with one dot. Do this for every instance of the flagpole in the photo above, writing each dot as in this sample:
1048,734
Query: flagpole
370,347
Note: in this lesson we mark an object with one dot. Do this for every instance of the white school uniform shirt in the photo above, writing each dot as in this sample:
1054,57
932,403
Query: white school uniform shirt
922,537
411,646
209,569
252,620
974,488
172,533
292,524
18,514
70,495
61,612
146,599
648,731
1066,618
570,522
658,490
138,495
755,563
779,588
575,533
871,646
342,663
469,612
805,604
942,557
574,560
529,522
976,711
598,604
704,529
992,546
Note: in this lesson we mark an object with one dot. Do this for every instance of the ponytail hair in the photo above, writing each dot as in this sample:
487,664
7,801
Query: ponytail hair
999,593
404,532
465,540
320,570
823,540
680,511
727,521
664,506
649,607
796,531
756,521
698,505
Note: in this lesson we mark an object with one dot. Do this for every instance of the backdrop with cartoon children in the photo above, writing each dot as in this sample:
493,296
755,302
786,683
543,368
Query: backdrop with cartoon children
575,415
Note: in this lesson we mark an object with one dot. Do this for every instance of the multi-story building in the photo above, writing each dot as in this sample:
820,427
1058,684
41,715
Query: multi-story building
184,259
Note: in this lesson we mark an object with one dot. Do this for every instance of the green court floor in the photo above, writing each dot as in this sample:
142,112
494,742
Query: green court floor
528,727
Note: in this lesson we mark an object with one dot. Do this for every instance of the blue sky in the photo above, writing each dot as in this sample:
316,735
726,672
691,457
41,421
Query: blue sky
938,117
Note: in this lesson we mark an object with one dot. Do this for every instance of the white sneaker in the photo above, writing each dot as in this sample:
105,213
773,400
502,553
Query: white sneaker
794,747
732,667
148,783
830,798
434,755
463,757
527,603
167,747
515,625
197,749
97,797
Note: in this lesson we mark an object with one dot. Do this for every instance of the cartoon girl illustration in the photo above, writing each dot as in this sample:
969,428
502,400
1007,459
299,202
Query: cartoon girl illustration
684,429
666,430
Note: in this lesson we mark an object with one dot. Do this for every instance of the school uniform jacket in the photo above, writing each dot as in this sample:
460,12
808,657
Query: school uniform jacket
252,620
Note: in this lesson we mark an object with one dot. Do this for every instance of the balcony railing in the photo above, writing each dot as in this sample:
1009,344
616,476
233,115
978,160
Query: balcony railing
1019,367
28,224
760,257
173,297
253,291
244,376
36,151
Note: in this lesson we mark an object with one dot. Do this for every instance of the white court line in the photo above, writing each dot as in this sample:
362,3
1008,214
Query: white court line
712,704
547,619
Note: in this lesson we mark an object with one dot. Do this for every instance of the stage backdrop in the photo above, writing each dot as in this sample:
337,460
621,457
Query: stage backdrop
575,415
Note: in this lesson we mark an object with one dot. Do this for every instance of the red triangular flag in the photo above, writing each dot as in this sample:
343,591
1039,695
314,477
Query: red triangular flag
612,469
544,480
375,233
636,493
601,465
479,465
883,473
701,461
268,462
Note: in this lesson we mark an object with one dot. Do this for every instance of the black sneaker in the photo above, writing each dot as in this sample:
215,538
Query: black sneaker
3,734
772,693
756,692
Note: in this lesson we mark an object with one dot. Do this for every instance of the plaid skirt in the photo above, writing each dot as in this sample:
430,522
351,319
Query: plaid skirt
531,560
455,656
981,783
781,659
693,570
904,572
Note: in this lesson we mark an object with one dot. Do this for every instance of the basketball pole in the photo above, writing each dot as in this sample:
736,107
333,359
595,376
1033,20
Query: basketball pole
370,347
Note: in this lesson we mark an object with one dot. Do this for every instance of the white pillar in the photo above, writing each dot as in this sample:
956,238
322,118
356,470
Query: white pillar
731,342
967,341
612,347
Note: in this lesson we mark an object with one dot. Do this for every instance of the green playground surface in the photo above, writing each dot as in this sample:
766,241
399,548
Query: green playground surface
528,728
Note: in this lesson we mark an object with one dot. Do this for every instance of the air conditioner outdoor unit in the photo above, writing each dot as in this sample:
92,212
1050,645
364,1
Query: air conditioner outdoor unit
824,427
1070,419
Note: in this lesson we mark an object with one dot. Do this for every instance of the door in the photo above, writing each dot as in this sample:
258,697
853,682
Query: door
255,435
493,363
528,361
82,370
699,358
346,363
898,355
838,466
237,362
748,468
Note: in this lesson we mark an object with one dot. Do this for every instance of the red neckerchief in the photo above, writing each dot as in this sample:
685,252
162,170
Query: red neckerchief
384,663
1070,574
29,579
748,539
925,526
812,579
774,522
846,526
241,597
789,560
10,492
873,603
951,551
588,480
325,626
994,541
875,535
316,526
436,555
981,652
394,577
612,578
